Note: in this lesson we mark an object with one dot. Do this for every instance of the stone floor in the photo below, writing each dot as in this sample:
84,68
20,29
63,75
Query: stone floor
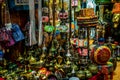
116,75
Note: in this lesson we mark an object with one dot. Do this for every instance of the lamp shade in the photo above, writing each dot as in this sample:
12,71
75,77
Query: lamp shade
116,8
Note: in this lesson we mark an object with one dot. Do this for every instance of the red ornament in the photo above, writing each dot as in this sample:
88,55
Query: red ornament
45,19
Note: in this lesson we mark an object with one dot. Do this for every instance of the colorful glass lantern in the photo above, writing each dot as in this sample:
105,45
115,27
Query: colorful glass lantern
102,1
116,8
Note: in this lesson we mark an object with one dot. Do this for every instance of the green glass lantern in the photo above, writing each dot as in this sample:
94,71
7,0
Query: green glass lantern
49,28
103,1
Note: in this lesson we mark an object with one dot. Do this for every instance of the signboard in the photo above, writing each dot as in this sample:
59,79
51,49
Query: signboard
23,2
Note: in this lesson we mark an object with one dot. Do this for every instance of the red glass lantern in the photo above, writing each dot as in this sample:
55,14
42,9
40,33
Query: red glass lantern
63,14
45,19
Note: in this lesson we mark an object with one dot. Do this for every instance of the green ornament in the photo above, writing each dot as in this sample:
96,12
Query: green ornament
102,1
49,28
1,68
30,70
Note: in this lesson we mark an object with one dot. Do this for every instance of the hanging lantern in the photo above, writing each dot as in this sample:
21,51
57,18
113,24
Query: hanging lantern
62,27
116,8
63,14
74,3
45,10
116,19
102,1
49,28
45,19
52,49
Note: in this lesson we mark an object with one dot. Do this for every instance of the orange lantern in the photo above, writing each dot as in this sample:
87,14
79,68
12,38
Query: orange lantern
116,8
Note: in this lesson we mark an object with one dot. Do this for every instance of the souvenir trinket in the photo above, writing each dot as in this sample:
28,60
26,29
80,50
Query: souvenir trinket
45,10
116,19
93,68
81,74
32,60
62,27
88,73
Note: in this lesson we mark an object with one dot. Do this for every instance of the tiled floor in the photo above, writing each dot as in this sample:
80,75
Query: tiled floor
116,75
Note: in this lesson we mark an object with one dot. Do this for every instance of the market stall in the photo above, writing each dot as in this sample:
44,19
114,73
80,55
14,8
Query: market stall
59,39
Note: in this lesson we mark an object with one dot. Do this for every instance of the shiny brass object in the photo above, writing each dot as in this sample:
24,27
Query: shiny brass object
75,67
93,68
114,46
3,71
9,77
42,60
52,47
60,59
20,57
88,73
58,64
25,70
61,49
68,62
32,60
80,74
116,19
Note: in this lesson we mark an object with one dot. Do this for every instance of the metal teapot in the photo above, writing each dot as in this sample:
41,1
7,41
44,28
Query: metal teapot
88,73
32,60
81,74
93,68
